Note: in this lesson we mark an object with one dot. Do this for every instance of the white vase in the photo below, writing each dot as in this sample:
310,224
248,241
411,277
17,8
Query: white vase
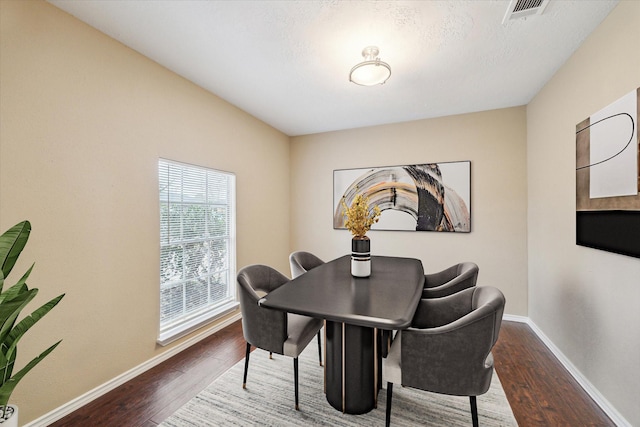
360,257
12,421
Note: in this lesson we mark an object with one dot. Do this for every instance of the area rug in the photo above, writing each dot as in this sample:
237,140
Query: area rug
268,400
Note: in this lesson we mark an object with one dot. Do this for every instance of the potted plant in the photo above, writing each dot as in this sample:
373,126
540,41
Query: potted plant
359,219
12,300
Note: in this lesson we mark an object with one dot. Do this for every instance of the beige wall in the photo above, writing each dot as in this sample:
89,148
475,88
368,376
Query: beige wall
585,300
494,142
84,121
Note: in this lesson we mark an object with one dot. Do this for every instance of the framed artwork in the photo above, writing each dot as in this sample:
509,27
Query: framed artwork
421,197
608,178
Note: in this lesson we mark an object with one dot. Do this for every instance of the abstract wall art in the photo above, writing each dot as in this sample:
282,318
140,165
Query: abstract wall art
608,178
421,197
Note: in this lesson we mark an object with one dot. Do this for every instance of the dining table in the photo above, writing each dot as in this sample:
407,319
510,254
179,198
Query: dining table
358,312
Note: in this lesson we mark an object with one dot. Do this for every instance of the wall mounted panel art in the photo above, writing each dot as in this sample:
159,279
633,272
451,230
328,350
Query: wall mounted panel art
422,197
608,178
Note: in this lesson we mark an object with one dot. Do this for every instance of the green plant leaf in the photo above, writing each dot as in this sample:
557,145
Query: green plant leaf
13,291
7,388
25,276
12,242
6,367
10,308
12,302
21,286
25,324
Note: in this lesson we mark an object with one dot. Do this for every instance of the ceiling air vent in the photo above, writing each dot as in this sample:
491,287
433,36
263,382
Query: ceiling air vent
522,8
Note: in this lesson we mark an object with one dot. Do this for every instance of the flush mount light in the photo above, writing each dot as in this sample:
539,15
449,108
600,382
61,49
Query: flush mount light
372,71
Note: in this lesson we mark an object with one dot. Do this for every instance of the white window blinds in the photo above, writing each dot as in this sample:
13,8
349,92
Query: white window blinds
197,246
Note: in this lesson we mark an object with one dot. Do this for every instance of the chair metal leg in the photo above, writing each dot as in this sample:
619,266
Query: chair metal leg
319,348
474,411
389,396
385,342
295,379
246,365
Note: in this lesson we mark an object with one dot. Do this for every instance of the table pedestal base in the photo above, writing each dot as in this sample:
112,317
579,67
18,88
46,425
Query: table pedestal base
352,367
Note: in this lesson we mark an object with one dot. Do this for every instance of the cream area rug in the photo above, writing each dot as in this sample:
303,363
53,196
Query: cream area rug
268,400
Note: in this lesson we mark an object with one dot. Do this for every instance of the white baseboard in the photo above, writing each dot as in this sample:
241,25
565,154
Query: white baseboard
514,318
599,399
88,397
77,403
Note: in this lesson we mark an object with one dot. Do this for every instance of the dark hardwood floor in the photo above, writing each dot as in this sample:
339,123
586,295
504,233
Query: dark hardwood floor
541,392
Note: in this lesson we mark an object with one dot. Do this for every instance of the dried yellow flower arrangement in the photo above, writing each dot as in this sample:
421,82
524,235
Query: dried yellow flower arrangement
359,217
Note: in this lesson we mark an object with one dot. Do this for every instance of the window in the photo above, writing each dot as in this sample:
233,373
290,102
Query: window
197,247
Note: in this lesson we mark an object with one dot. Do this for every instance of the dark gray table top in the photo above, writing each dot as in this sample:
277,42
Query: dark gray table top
386,300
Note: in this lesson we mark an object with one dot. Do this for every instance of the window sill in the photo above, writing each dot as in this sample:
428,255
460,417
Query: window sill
183,329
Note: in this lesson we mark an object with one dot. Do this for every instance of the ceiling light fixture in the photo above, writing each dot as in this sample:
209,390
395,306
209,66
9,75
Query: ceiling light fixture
372,71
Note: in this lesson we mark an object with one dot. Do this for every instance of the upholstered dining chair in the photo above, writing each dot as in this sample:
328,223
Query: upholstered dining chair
302,261
450,280
272,330
447,349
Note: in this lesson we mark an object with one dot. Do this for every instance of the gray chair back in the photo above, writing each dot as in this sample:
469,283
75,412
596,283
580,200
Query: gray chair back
463,327
272,330
302,261
262,327
450,280
447,349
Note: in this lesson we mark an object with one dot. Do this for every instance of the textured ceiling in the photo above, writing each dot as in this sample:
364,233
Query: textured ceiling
287,62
